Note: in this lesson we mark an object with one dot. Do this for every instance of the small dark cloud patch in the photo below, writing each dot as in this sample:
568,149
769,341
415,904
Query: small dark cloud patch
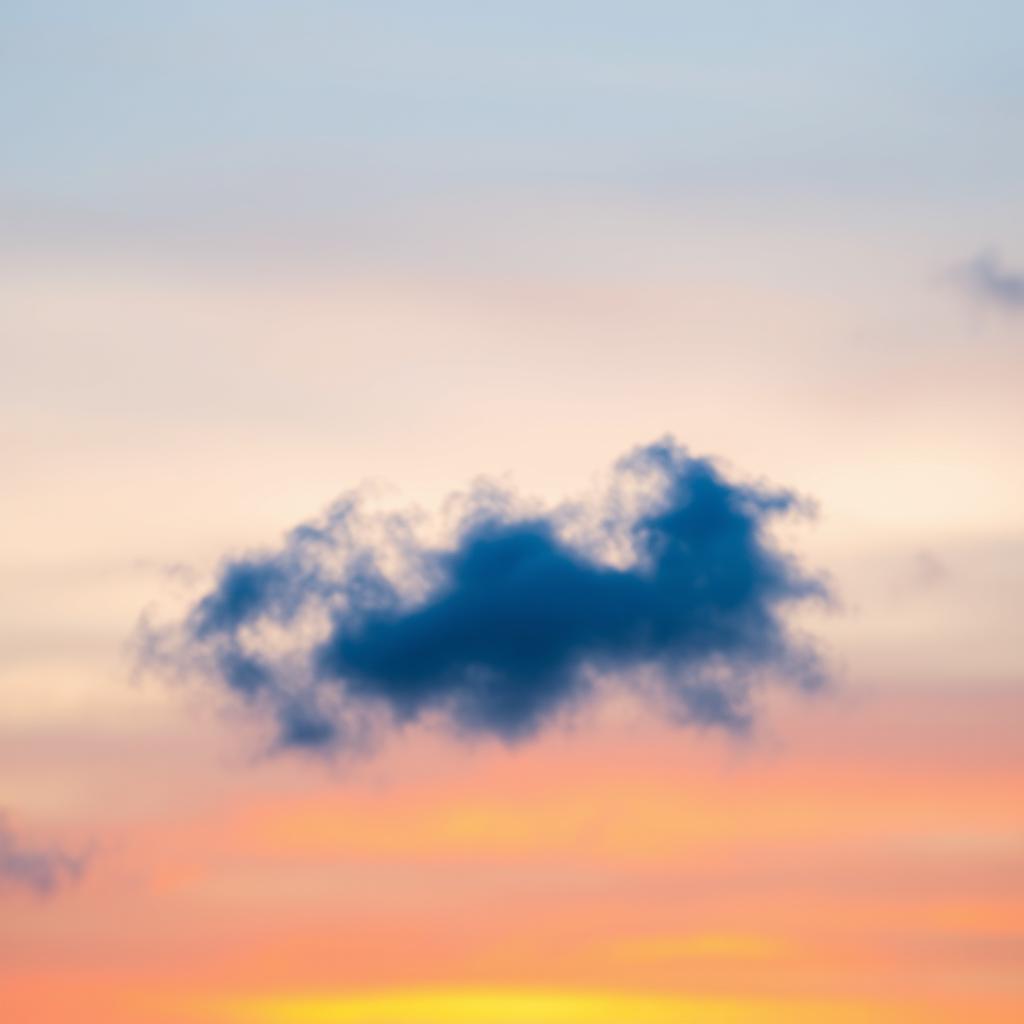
988,280
672,586
41,870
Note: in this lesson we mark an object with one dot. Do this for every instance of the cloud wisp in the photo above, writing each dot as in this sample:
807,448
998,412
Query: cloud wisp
40,870
671,586
987,279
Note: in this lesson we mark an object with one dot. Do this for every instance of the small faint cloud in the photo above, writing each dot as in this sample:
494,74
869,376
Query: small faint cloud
928,571
42,870
921,573
987,279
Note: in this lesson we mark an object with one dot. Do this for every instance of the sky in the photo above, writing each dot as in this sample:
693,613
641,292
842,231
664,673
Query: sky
512,512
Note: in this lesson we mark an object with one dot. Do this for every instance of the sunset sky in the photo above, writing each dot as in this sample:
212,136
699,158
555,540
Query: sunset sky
513,512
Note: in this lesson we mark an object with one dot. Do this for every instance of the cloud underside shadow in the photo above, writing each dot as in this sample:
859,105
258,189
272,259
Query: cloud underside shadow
670,586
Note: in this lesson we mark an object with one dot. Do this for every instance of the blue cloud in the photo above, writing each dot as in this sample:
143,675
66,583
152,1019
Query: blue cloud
987,279
42,871
672,588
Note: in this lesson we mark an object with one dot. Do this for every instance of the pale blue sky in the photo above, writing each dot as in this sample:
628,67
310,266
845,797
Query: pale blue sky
226,117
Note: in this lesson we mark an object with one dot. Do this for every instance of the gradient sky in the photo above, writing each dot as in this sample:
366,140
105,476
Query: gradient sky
255,255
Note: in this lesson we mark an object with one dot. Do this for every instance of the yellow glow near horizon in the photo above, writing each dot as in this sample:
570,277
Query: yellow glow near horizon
705,946
513,1006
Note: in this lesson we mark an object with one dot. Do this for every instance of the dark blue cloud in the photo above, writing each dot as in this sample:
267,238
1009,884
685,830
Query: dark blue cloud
987,279
42,871
673,588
